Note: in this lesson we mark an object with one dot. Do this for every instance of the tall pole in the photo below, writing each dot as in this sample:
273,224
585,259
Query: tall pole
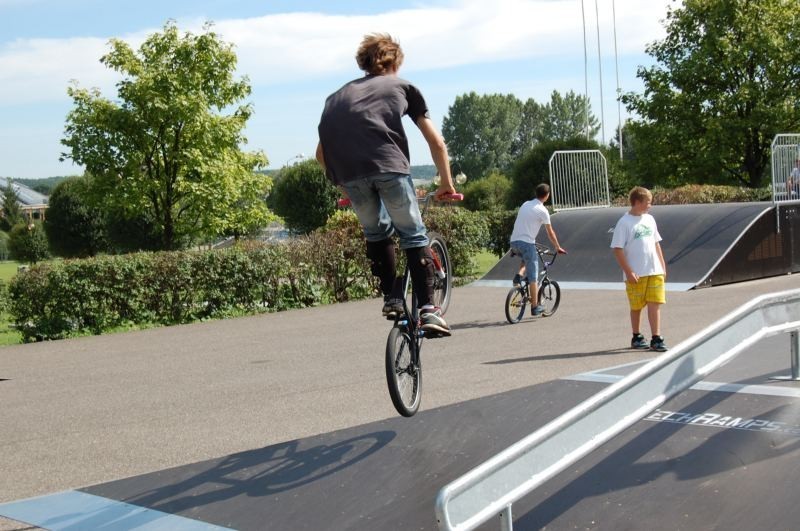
585,73
600,69
619,90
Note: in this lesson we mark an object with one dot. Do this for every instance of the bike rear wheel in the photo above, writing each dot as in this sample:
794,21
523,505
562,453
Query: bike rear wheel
549,297
403,372
443,276
515,305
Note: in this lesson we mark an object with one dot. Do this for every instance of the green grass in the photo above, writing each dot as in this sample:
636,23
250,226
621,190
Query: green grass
8,269
486,260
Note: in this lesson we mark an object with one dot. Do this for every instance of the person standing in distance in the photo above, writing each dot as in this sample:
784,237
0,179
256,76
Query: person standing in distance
636,247
530,218
363,149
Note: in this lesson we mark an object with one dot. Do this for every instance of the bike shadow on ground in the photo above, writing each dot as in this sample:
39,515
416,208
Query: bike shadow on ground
573,355
491,324
263,472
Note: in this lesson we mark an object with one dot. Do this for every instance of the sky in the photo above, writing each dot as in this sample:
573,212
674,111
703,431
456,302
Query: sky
296,52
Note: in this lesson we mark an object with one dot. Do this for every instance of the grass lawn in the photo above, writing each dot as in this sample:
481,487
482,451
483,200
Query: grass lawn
486,260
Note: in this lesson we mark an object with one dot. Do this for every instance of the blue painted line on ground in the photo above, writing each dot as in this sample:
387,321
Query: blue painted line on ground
75,510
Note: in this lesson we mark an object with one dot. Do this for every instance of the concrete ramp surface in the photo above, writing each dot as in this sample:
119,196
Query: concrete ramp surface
704,245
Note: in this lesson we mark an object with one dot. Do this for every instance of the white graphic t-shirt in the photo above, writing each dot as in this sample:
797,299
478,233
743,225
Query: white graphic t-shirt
637,237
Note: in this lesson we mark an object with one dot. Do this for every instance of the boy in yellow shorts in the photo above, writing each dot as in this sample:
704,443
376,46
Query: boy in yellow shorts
637,249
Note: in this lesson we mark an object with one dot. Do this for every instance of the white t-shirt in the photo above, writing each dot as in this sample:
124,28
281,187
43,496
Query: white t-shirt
637,237
530,218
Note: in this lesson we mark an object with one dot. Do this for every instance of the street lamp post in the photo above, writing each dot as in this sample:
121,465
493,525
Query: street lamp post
299,156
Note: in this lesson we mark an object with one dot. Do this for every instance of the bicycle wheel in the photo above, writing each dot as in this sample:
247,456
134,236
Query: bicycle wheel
403,372
515,305
443,277
549,297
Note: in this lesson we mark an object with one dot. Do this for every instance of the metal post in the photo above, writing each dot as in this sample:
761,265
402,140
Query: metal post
794,358
506,523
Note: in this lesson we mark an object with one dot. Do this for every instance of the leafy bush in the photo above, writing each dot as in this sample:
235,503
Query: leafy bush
702,193
61,298
303,197
73,227
28,243
487,194
465,232
501,225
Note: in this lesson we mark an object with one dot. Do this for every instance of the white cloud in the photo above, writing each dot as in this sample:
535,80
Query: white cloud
287,47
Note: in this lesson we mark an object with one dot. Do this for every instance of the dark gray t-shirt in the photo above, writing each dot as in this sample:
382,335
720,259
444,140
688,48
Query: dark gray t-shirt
361,128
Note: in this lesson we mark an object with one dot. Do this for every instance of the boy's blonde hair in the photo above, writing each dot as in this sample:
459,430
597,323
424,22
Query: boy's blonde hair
639,193
379,54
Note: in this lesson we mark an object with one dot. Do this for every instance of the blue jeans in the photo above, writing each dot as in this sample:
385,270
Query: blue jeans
530,257
386,203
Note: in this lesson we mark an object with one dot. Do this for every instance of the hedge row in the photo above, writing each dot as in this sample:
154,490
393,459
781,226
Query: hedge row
61,298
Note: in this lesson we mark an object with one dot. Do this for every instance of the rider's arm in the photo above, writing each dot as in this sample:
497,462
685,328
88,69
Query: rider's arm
553,238
439,154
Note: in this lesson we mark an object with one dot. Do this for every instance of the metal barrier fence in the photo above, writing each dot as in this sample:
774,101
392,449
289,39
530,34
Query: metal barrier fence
578,180
785,167
489,490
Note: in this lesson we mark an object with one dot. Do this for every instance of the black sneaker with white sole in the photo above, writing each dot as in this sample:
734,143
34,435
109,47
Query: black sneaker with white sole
392,307
434,325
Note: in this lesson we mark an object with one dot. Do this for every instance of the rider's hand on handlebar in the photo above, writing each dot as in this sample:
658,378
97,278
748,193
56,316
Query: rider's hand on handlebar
443,191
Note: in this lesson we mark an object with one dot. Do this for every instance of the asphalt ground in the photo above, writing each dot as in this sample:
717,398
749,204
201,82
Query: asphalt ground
86,411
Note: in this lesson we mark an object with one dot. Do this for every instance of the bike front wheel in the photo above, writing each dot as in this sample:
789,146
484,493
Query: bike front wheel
403,372
549,297
443,272
515,305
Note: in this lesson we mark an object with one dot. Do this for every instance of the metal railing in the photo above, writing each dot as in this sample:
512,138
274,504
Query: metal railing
578,180
489,490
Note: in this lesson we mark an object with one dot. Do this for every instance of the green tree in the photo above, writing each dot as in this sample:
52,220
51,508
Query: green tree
12,212
724,84
481,132
164,150
564,117
28,243
74,228
303,196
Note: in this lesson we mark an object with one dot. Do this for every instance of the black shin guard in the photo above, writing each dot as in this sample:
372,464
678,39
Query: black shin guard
420,262
383,263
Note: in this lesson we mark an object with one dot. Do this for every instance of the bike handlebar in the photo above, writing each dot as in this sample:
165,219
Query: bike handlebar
343,202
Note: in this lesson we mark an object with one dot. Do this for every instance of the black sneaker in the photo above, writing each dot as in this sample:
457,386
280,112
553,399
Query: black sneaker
639,342
657,344
434,324
517,280
392,307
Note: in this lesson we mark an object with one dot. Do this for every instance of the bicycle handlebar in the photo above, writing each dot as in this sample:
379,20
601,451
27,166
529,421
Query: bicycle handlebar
343,202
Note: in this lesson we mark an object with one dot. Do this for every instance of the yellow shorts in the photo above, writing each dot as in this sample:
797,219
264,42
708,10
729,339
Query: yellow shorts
648,289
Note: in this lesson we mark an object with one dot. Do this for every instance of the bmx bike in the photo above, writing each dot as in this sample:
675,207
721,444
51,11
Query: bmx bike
404,344
549,296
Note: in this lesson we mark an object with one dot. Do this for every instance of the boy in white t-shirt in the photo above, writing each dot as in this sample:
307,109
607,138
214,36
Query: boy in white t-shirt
530,218
638,251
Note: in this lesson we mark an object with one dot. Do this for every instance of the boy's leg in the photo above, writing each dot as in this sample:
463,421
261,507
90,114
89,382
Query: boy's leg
655,297
636,321
654,317
636,300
